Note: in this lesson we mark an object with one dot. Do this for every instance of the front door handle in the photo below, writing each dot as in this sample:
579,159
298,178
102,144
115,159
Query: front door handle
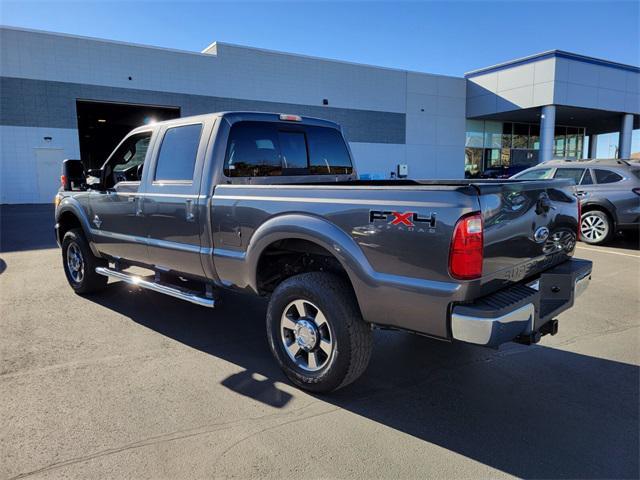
189,214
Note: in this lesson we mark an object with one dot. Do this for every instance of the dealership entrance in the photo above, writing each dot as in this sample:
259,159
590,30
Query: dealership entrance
102,125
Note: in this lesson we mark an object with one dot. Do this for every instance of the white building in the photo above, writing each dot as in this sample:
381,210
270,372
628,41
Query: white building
64,96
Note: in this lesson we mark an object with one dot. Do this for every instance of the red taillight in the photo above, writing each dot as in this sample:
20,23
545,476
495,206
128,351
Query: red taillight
466,255
63,181
578,234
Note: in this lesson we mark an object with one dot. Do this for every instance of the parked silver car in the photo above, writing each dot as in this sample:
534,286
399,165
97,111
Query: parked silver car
609,191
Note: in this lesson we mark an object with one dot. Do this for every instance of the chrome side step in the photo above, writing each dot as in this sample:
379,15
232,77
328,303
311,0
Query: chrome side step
172,291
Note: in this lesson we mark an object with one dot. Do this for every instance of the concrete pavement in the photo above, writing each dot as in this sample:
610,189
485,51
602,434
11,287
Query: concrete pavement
132,384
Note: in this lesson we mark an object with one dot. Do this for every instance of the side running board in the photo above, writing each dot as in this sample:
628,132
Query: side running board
172,291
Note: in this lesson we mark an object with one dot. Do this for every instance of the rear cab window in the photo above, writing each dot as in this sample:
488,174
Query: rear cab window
257,149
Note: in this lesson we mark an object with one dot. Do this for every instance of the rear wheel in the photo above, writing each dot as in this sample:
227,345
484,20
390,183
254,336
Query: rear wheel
595,227
316,332
80,263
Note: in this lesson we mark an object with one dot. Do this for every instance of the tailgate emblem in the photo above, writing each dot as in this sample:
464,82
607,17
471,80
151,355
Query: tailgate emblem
541,234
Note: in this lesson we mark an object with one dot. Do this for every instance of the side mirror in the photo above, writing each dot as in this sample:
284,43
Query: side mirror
94,177
73,175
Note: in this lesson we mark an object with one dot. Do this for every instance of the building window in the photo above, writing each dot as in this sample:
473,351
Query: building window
559,139
520,135
568,142
516,144
472,162
492,134
492,158
534,137
475,133
572,143
507,131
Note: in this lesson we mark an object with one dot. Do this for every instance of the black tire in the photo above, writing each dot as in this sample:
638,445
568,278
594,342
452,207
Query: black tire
596,228
89,281
351,337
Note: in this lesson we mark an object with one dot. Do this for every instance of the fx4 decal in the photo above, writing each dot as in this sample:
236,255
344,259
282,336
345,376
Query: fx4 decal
403,219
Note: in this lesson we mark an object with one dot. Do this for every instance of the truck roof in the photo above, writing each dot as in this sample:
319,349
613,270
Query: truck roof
236,116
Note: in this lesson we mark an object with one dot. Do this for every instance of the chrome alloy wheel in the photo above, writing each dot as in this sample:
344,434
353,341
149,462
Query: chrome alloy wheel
593,228
306,335
75,262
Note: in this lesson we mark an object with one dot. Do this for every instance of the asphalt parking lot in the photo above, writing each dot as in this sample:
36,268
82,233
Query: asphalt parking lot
132,384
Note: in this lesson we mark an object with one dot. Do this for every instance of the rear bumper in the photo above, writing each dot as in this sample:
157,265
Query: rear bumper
521,312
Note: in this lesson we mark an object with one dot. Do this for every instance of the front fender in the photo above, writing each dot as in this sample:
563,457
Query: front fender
72,205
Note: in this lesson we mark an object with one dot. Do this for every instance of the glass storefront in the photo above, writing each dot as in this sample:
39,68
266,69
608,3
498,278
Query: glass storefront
506,144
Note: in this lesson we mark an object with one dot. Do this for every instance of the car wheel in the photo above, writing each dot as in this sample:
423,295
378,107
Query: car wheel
316,332
595,227
80,263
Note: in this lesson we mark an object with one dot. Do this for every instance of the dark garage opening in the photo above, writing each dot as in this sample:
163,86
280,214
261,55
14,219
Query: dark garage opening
102,125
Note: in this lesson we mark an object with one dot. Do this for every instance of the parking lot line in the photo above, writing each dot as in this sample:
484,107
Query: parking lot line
602,250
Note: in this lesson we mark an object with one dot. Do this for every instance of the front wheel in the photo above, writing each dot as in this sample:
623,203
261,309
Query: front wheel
80,263
316,332
595,227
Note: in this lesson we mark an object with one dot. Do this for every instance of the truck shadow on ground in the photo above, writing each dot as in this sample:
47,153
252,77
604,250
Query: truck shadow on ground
528,411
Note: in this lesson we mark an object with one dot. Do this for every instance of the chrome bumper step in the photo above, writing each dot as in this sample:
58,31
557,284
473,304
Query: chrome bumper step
172,291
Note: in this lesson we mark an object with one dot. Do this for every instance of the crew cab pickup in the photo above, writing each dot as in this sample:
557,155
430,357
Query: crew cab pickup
270,204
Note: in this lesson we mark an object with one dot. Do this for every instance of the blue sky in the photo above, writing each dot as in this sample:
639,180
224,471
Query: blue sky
437,37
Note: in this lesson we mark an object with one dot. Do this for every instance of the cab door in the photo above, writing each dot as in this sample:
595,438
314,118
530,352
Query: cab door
173,207
117,223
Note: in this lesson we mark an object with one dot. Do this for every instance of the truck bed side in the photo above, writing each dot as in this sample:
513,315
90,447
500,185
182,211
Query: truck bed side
387,262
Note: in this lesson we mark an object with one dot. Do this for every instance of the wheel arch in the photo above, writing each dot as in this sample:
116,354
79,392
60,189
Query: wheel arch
604,206
70,214
306,230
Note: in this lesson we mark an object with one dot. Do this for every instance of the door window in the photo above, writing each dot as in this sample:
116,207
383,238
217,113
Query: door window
536,174
606,176
573,173
126,162
178,152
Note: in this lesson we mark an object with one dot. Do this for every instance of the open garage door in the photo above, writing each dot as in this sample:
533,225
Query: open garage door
101,126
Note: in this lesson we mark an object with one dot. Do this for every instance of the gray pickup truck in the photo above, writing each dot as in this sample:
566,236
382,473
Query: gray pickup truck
270,204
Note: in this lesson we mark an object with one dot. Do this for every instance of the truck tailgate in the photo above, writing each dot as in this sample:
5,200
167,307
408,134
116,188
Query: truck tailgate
529,226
